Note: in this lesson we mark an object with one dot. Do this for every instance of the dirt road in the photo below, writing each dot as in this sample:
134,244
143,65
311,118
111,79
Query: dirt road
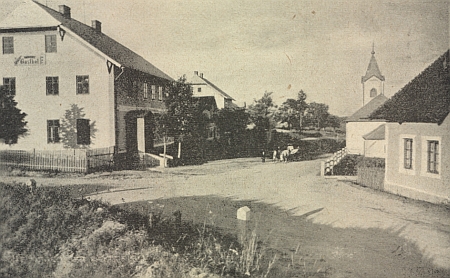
349,230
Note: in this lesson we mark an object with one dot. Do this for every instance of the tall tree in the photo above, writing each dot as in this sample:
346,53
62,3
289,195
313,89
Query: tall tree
318,114
292,111
183,121
232,124
262,111
12,120
262,116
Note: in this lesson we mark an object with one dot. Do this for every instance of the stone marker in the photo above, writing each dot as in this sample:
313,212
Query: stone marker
243,213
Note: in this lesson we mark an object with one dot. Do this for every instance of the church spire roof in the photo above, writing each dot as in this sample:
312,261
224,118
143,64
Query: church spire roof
372,69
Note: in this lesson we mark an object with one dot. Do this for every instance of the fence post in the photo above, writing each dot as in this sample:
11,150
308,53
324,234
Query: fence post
322,168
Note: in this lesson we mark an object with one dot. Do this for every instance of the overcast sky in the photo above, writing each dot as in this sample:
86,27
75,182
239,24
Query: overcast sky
249,47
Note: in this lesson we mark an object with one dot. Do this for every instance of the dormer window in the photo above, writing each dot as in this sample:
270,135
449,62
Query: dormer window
373,92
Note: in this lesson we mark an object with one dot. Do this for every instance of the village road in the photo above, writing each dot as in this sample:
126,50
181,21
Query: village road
297,187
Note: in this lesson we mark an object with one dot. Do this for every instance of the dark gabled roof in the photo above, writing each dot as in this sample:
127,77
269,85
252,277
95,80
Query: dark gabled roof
372,70
362,115
107,45
426,99
225,95
378,133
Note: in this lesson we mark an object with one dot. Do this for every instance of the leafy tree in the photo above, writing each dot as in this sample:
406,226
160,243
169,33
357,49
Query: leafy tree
333,121
292,111
184,120
262,111
12,120
318,114
69,132
232,124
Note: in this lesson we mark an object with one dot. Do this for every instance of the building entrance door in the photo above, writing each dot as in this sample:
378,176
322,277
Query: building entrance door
140,134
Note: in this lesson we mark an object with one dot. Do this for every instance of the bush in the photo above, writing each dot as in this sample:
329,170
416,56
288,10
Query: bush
347,166
350,164
46,232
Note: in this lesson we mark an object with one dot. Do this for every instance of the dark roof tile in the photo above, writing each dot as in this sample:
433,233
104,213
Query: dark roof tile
425,99
107,45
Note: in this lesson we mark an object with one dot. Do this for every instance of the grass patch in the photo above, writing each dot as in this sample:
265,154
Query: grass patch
48,233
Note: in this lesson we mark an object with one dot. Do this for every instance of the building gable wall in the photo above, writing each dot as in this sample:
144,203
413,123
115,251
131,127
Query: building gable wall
72,58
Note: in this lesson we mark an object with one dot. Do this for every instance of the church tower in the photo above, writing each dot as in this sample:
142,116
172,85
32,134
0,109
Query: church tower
373,81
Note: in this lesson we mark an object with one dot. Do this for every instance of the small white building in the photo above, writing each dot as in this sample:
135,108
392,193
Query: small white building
51,63
202,87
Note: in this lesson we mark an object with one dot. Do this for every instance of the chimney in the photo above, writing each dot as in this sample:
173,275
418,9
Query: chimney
96,25
64,10
196,72
201,75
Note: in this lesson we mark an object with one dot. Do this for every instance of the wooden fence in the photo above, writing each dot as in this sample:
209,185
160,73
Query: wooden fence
372,177
327,165
74,160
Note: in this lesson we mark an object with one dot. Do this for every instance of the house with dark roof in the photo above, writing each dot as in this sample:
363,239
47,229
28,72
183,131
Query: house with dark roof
359,125
417,135
203,87
53,63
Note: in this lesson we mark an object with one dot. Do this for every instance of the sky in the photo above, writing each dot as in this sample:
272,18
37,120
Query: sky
248,47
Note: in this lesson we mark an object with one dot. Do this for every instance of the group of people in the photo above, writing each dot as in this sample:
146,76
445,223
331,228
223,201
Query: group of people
281,155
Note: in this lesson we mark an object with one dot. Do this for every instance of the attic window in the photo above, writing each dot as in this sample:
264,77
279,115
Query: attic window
373,92
199,90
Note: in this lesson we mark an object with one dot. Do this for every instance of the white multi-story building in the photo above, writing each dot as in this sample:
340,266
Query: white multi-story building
53,64
202,87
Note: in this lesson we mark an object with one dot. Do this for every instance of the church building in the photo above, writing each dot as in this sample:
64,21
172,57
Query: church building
365,136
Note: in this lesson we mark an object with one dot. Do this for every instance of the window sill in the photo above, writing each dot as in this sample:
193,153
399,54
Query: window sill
431,175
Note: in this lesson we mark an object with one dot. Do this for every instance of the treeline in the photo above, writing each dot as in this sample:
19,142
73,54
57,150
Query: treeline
237,131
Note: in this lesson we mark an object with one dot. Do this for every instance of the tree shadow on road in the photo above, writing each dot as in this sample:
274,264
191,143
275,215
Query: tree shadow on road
306,249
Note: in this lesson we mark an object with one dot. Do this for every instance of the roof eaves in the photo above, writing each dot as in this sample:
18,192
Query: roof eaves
225,95
98,51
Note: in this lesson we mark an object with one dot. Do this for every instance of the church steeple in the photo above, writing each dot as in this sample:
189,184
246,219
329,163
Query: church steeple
373,80
372,69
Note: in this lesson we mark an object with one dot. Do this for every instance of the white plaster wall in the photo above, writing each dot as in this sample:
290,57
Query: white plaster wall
73,58
375,148
354,135
417,183
209,91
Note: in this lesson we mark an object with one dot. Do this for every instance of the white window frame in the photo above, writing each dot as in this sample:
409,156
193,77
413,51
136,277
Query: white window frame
153,92
145,90
424,161
401,158
160,93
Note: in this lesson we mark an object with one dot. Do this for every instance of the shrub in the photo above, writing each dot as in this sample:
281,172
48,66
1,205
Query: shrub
347,165
46,232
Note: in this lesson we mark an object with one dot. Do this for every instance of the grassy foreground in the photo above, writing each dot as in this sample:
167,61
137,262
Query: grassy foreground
45,232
